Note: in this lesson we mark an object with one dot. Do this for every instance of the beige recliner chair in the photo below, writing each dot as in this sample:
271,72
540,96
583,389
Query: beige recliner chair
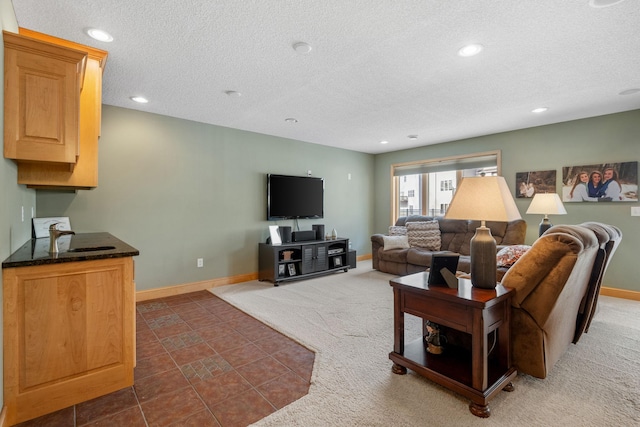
550,279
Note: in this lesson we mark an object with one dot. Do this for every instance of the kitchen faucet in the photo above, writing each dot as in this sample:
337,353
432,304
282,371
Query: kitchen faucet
54,233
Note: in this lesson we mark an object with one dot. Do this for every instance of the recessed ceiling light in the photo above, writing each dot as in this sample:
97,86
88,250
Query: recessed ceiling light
470,50
413,137
99,35
539,110
139,99
232,93
603,3
629,91
291,120
384,142
302,47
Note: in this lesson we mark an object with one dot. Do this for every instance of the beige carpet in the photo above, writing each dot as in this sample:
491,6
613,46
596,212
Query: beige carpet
347,318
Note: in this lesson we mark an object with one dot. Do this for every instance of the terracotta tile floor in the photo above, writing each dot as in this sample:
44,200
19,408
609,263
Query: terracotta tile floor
201,362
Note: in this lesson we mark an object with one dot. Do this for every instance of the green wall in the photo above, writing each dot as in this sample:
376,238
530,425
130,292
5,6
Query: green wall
611,138
179,190
13,230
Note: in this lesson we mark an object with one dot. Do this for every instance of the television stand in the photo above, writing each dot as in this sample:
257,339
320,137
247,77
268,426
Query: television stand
302,260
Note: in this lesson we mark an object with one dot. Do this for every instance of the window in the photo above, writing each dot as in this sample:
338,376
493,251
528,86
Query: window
446,185
426,187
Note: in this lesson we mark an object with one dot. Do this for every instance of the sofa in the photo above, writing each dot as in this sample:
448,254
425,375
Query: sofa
451,235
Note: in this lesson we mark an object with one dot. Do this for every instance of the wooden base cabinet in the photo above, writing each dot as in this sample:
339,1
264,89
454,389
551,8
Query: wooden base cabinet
69,334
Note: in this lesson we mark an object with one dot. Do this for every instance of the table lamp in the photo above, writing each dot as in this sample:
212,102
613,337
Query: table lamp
484,198
546,204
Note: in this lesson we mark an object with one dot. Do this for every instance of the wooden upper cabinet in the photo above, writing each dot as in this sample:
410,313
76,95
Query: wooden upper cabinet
82,172
42,100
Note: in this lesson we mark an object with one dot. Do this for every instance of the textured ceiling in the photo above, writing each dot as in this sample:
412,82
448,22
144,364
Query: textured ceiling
378,69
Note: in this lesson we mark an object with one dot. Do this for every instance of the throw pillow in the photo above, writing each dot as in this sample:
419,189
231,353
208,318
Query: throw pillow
508,256
424,234
397,230
395,242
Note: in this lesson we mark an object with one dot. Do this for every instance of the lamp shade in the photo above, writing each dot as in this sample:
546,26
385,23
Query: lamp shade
483,198
546,204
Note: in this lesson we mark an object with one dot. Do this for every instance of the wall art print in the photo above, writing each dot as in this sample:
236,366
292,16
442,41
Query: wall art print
530,183
600,182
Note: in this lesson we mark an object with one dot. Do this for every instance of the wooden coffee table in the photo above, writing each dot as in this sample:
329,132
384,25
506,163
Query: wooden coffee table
478,373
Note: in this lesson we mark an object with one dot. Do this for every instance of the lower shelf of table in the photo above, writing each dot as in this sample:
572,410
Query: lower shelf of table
452,369
281,279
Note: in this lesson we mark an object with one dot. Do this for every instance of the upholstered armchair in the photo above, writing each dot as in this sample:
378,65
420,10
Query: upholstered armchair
550,279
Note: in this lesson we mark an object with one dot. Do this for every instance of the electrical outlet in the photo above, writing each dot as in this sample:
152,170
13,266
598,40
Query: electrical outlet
200,262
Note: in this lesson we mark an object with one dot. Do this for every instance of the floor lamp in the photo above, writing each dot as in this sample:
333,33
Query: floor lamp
484,198
546,204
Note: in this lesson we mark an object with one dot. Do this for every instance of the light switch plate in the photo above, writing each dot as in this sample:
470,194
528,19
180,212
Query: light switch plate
635,210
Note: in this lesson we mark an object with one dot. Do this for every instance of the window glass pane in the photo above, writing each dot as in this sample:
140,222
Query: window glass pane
409,194
440,191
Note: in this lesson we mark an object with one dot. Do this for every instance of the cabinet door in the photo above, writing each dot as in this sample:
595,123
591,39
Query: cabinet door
308,256
322,260
68,333
42,100
314,258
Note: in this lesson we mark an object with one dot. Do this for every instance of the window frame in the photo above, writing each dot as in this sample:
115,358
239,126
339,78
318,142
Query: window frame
454,160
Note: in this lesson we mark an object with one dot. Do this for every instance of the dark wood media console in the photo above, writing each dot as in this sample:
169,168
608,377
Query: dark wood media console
302,260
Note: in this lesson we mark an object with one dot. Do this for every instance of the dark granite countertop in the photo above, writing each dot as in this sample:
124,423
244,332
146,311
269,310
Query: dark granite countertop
36,251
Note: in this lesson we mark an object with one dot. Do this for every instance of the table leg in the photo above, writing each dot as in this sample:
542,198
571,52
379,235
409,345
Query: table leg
398,322
398,369
482,411
479,358
398,330
503,338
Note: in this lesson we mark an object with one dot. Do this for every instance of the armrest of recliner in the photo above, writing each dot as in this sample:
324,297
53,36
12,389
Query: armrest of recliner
377,242
378,238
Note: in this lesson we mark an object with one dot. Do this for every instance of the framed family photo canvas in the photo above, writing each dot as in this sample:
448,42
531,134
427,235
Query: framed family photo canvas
530,183
600,182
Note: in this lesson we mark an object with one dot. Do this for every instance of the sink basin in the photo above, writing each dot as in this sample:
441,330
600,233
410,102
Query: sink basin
92,249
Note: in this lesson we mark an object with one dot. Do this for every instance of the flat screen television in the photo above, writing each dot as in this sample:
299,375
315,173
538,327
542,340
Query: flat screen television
290,197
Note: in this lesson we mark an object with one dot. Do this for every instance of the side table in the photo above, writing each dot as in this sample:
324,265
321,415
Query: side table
479,373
